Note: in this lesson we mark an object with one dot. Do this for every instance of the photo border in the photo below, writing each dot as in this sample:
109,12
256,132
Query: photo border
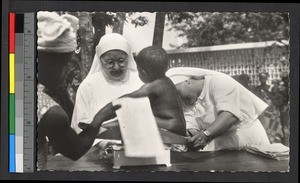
293,9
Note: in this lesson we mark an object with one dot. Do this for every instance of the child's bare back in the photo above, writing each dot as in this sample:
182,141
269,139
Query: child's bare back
166,105
165,101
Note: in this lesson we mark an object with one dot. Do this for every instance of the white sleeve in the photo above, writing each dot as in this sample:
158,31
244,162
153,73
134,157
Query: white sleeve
190,115
82,111
226,95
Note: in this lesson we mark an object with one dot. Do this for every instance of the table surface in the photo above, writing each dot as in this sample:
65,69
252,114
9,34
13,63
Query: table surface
181,161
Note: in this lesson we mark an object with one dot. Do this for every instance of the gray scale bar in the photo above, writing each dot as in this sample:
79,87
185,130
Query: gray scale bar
29,23
19,78
29,93
19,96
28,149
29,57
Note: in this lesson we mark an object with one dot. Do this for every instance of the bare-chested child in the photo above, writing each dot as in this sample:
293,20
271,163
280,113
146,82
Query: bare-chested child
152,63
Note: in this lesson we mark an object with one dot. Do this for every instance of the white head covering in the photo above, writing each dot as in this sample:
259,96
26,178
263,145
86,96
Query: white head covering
112,41
56,33
180,74
176,79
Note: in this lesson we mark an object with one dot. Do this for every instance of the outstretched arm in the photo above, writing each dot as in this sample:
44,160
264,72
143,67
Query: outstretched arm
144,91
55,125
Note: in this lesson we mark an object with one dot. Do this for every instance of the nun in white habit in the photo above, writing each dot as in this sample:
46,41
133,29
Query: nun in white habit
220,113
113,73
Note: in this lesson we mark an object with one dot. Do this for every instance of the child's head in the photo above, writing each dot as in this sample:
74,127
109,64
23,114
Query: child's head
152,63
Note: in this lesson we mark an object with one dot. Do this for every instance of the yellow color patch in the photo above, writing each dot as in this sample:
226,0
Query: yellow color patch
12,73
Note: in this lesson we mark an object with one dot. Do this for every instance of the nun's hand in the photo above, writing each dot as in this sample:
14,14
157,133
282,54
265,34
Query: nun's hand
198,141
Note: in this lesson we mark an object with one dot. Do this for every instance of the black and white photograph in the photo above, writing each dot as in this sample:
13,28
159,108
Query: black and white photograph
163,91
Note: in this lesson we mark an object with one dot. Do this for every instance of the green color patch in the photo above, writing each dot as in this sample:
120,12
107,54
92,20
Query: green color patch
11,113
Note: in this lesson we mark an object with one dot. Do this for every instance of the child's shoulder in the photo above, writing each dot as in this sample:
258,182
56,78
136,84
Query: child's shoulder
157,85
162,81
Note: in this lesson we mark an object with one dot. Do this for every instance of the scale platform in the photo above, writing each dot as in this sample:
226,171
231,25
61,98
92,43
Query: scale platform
121,160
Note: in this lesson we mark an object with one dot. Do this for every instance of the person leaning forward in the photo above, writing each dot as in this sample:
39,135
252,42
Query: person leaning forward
220,113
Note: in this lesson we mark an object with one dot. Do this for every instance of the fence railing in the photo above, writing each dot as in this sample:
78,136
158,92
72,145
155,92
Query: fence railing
236,59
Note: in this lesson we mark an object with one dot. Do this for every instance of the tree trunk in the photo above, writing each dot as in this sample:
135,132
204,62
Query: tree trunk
99,32
119,25
86,44
99,28
159,29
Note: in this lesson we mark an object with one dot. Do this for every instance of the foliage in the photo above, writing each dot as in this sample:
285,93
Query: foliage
215,28
140,21
106,19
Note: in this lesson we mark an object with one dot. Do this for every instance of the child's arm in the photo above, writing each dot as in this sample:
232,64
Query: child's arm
144,91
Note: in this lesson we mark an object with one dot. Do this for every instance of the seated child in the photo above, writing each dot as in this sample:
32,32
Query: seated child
152,63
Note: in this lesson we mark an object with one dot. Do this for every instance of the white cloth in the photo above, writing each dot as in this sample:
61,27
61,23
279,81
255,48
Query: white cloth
45,102
56,33
240,137
222,93
96,90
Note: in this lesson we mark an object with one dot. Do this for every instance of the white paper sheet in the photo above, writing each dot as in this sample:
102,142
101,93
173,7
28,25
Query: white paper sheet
138,128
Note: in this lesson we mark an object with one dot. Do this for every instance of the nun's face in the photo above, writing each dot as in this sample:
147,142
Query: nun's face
114,63
188,91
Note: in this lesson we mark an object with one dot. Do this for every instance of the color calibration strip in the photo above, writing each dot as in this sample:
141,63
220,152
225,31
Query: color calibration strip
21,92
12,157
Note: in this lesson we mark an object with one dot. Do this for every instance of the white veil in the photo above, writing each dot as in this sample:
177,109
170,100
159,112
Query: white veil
112,41
180,74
